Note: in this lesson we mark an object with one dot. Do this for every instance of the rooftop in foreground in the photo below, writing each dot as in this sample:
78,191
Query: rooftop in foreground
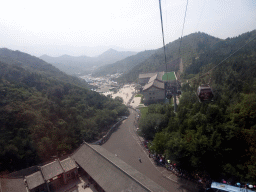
110,172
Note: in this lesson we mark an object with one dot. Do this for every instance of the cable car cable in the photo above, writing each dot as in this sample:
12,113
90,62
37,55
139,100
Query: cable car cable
162,33
168,94
181,38
204,92
183,26
232,54
160,8
207,73
166,16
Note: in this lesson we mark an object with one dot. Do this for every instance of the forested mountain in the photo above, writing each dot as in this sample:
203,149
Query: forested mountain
72,65
191,47
44,112
34,64
123,65
217,139
213,55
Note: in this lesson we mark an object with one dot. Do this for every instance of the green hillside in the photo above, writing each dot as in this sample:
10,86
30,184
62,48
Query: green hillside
215,140
192,46
45,115
34,64
124,65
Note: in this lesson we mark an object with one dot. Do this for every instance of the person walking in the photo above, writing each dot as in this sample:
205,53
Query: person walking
139,159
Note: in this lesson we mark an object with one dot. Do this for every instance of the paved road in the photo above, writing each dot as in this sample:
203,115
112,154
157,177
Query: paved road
126,144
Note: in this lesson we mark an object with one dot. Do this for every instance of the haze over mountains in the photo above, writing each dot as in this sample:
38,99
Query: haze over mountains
35,65
72,65
153,60
198,50
45,112
123,65
191,47
131,63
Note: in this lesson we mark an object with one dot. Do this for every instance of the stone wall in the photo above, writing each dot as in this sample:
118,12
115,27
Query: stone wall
153,94
105,138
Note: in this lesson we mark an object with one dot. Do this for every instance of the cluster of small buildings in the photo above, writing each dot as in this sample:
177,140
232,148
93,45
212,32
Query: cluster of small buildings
104,171
48,177
102,84
114,76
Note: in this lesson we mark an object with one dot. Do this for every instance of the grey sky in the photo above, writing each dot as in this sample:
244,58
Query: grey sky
56,27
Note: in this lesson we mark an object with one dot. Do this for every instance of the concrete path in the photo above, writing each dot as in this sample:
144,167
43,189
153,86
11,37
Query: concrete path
126,144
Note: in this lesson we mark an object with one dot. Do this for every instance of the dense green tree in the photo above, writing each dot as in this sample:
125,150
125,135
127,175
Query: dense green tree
216,138
42,117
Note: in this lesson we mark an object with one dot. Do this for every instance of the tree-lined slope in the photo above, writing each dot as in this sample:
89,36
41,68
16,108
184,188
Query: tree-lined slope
218,138
34,64
43,116
192,46
123,65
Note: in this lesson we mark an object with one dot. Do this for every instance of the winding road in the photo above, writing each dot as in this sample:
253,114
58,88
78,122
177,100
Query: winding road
126,144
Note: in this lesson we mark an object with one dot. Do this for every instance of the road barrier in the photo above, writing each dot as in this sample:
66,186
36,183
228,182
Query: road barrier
106,137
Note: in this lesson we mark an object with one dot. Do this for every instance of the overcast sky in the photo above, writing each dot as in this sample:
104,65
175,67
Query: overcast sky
75,27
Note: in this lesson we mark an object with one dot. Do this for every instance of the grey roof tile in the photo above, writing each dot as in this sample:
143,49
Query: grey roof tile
12,185
34,180
146,75
155,83
153,78
110,172
51,170
147,86
68,164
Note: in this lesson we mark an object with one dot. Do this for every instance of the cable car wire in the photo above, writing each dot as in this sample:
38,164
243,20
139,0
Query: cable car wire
231,55
163,34
207,73
183,26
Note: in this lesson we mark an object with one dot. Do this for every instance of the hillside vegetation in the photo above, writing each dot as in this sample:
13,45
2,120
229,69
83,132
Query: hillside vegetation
44,115
192,46
34,64
124,65
216,139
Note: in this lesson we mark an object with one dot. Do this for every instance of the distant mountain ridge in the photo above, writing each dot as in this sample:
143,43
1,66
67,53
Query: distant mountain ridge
34,64
153,60
191,47
78,64
46,113
123,65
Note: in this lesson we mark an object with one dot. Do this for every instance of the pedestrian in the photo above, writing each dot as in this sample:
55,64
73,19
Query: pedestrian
139,159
